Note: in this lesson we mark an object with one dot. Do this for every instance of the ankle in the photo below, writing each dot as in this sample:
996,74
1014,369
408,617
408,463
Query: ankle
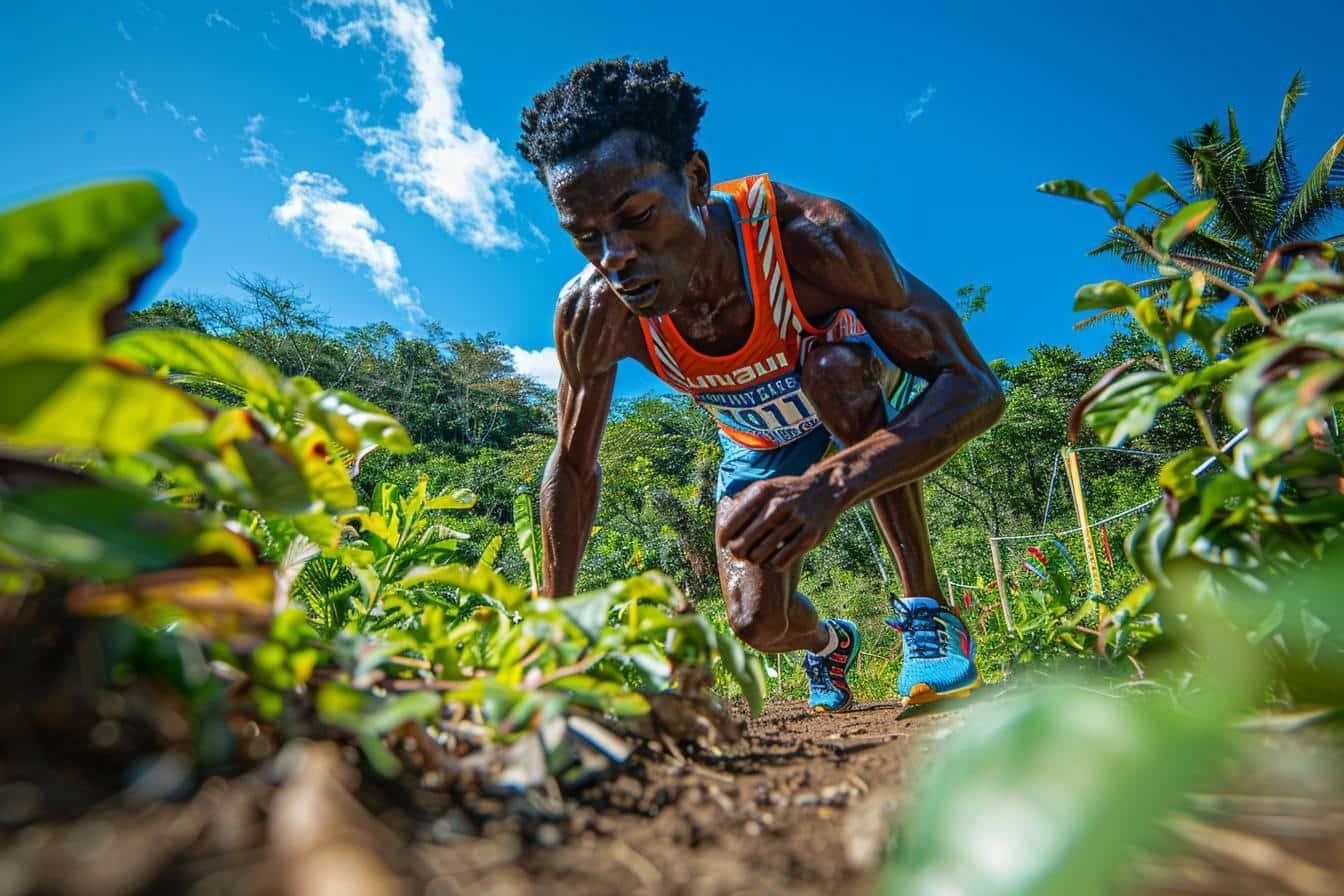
832,640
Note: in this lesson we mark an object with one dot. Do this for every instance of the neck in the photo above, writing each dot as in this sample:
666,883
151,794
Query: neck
718,276
716,316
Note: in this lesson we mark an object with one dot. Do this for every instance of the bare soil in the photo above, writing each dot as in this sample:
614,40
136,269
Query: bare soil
801,805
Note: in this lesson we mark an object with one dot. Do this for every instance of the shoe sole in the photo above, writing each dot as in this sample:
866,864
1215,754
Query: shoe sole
853,660
922,693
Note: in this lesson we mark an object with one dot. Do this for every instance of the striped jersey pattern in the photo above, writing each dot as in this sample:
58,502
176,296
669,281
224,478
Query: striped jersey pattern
754,394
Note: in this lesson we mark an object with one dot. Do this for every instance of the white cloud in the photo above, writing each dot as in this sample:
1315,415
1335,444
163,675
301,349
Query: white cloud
215,18
199,134
314,212
543,364
172,110
130,87
126,35
916,108
434,159
539,234
259,153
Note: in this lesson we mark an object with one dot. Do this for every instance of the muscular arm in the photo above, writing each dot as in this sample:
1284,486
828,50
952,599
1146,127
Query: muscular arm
838,260
573,478
847,262
962,400
591,330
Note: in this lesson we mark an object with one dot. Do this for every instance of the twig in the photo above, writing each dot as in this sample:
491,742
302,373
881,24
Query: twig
1258,854
1165,258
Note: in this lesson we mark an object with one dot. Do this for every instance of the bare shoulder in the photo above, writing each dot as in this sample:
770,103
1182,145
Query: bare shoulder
593,329
832,246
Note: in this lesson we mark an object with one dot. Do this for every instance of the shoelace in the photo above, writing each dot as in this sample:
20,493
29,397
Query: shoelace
814,667
925,633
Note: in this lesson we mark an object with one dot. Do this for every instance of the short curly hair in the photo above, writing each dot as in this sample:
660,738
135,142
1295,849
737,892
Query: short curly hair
607,95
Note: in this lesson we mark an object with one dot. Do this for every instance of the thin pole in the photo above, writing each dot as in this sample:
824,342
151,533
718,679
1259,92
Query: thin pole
1003,588
872,546
1089,548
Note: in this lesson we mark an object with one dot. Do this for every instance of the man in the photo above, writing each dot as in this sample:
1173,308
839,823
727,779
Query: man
784,315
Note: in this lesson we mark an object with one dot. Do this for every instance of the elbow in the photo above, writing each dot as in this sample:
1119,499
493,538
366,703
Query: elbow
986,402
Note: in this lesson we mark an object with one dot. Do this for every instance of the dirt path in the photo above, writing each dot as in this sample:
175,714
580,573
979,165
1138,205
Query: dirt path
800,807
805,805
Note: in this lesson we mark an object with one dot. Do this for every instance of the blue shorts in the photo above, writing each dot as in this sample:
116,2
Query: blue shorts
742,466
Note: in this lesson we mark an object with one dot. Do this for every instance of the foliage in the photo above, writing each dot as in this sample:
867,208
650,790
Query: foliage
209,510
1277,498
1238,213
1244,560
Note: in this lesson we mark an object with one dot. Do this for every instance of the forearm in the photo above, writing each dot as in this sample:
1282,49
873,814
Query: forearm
955,408
568,506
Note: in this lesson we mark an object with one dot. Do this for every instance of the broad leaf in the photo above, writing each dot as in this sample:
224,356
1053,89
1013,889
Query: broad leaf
1183,223
65,262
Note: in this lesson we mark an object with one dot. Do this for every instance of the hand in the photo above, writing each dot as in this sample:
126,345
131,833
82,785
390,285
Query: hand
774,523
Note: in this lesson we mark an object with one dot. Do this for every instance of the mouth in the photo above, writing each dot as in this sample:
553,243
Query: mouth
641,297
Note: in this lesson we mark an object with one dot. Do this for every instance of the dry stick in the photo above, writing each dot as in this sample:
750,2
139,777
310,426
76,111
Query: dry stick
1258,854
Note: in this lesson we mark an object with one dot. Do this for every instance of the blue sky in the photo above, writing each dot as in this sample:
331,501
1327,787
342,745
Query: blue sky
364,148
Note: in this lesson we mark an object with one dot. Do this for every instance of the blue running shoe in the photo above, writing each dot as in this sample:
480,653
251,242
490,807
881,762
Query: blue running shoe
939,657
828,688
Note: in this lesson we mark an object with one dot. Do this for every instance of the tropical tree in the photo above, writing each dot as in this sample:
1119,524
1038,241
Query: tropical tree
1257,207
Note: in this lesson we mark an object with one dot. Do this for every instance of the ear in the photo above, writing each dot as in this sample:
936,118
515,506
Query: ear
697,177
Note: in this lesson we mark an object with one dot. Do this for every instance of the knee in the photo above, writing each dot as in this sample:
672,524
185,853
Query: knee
842,382
758,629
844,366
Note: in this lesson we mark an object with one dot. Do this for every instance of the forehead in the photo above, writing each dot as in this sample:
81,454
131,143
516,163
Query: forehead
596,181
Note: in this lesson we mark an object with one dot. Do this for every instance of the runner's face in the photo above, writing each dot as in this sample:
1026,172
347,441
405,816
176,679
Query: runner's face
639,223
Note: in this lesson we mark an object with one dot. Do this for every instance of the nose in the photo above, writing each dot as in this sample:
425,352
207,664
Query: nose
617,251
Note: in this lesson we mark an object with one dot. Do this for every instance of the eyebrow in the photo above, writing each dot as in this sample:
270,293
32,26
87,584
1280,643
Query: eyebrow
620,200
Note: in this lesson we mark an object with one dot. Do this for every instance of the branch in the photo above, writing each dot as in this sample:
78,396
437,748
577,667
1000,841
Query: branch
1251,301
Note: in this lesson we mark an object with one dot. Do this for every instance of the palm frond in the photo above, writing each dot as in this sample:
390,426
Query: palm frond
1234,256
1278,163
1242,214
1316,193
1109,315
1213,266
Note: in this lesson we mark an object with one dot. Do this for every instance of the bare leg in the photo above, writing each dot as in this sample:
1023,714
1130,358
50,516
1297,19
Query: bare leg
765,608
844,382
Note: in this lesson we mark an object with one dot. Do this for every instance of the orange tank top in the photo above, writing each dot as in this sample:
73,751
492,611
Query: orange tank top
754,394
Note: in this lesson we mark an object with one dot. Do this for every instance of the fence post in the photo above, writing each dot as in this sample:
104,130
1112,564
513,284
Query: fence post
1003,587
1089,548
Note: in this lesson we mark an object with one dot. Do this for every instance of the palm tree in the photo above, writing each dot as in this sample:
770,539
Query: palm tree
1260,205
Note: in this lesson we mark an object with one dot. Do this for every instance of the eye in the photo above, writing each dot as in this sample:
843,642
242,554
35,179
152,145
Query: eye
587,238
643,216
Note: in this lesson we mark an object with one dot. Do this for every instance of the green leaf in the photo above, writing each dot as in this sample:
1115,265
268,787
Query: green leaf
1182,224
525,528
423,705
587,611
1268,625
1107,295
74,405
480,581
746,671
1147,186
457,499
65,262
200,358
1072,189
1066,786
100,530
354,423
1321,325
